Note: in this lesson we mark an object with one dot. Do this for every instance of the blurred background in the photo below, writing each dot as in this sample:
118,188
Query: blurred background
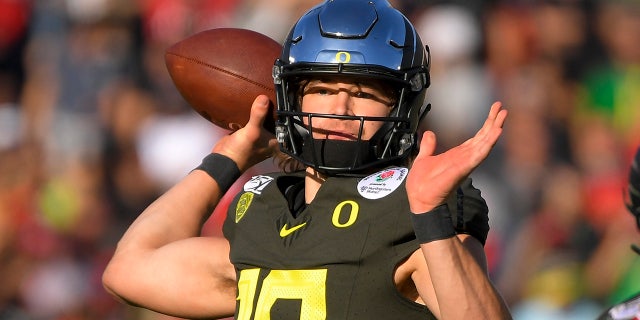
92,130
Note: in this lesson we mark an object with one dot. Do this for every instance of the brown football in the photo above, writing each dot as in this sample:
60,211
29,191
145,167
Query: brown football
219,72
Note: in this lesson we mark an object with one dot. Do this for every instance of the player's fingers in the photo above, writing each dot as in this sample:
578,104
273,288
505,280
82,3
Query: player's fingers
492,118
492,126
495,109
497,114
501,117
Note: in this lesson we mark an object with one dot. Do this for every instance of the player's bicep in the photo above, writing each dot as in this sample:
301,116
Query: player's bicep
191,278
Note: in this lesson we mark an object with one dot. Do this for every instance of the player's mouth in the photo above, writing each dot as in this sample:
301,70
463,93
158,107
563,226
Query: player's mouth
336,135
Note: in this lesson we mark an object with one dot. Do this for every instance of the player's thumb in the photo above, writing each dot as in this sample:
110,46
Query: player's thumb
259,110
427,144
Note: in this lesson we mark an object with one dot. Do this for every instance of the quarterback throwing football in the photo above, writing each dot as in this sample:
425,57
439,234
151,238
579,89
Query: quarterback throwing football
364,222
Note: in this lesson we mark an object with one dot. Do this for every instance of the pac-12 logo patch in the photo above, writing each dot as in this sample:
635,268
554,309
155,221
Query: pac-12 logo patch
382,183
257,183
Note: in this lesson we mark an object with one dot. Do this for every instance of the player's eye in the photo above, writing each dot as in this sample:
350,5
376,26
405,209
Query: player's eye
365,95
374,94
323,91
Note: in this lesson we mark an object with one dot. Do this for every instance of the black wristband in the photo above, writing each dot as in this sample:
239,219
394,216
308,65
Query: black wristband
222,169
433,225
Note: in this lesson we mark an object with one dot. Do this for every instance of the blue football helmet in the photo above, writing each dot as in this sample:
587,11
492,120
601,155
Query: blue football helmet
365,39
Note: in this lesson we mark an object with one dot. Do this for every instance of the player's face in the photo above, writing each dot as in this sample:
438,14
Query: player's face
345,97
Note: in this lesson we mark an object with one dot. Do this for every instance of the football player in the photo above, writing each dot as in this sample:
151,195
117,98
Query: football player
368,228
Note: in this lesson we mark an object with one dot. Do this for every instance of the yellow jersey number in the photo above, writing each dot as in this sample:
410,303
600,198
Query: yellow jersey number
309,286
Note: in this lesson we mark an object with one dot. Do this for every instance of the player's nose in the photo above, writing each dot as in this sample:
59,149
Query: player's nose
342,103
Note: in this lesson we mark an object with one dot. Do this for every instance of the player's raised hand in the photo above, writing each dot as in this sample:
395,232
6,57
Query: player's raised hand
252,143
432,177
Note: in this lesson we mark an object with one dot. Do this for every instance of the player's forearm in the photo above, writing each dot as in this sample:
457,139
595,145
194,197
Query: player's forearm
462,286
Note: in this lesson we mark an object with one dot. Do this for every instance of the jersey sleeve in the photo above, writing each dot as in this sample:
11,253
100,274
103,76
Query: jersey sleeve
469,211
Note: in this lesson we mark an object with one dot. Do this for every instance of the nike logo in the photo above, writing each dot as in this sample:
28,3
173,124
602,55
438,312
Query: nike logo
285,232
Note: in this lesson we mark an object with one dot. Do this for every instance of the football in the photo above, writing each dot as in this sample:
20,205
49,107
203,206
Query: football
219,72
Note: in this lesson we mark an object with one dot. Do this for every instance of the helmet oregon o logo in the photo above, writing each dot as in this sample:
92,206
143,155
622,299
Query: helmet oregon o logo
343,57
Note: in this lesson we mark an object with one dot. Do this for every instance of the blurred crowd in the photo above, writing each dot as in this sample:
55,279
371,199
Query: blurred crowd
92,130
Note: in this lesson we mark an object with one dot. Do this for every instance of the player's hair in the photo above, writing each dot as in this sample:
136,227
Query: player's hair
286,163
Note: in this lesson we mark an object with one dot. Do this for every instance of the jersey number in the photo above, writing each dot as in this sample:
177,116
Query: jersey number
308,286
